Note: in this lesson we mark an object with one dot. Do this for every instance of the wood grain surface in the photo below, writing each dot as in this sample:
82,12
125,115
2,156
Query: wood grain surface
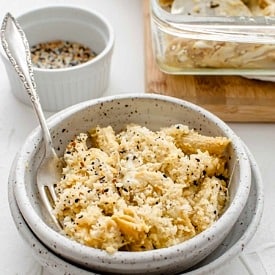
232,98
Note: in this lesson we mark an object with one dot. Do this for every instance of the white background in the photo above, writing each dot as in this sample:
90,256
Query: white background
127,75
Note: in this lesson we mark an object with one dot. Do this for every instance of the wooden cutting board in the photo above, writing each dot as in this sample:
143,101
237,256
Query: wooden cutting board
232,98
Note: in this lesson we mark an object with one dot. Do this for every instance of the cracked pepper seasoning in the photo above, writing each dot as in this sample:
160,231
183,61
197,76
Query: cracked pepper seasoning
139,190
60,54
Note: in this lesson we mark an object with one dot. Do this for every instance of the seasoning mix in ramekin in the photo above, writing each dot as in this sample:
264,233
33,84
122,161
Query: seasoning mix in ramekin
71,50
60,54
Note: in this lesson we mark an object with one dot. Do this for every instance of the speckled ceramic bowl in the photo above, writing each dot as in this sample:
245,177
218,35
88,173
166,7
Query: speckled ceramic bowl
154,111
241,233
60,88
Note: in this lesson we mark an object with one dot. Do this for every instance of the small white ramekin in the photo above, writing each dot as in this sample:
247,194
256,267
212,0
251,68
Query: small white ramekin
60,88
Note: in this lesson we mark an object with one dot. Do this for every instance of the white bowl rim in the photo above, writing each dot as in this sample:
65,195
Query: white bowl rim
138,257
108,48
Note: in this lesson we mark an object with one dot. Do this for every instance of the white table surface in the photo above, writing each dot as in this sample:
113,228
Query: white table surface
127,75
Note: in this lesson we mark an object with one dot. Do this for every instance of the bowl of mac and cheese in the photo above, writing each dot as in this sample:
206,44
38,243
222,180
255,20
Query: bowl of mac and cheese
150,183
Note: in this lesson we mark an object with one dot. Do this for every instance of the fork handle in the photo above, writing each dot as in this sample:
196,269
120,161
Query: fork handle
16,47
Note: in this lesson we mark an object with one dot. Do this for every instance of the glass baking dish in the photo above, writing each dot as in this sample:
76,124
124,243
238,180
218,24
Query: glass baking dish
218,45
